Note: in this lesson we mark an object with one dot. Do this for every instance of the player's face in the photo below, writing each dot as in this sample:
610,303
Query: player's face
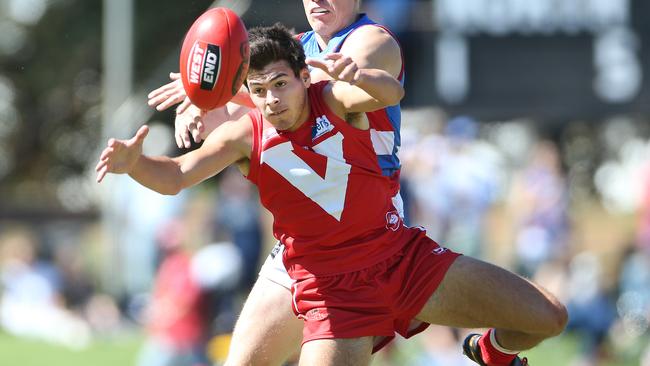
280,95
327,17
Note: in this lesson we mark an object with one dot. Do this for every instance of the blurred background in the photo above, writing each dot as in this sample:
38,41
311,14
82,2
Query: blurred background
525,142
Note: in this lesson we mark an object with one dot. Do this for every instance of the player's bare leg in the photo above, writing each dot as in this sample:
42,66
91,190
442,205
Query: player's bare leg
267,332
337,352
475,294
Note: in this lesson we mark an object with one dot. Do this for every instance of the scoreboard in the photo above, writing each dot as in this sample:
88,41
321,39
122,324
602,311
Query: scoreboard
546,59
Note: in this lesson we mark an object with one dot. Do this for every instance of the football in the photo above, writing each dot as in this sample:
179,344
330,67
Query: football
214,58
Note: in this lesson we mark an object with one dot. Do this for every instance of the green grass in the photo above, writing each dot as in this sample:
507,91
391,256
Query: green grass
120,351
562,350
559,351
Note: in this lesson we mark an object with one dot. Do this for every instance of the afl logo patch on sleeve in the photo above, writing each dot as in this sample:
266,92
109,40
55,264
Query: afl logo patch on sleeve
204,64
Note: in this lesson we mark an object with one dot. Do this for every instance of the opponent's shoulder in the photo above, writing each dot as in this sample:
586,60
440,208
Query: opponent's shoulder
372,46
372,35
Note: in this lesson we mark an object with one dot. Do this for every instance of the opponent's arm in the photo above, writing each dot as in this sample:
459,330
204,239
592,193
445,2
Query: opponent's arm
355,89
230,142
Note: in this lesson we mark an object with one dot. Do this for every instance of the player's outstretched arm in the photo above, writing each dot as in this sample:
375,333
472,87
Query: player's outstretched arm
355,89
230,143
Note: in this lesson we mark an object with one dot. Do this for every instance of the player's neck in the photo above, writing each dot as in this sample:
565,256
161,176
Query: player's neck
324,39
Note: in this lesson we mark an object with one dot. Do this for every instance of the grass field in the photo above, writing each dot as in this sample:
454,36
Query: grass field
122,351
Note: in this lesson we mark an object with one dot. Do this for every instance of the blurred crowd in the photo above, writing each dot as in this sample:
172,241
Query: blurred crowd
569,209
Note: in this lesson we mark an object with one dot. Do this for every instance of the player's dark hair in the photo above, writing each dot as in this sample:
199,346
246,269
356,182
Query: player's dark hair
275,43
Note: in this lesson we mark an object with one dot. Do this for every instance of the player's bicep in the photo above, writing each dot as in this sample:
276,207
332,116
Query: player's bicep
227,144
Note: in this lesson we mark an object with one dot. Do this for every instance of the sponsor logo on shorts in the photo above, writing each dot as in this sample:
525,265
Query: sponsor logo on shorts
393,220
316,314
204,64
439,250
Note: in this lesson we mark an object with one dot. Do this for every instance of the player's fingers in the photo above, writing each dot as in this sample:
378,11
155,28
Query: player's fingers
186,138
107,151
174,75
175,98
100,164
337,67
155,100
179,138
101,174
349,72
181,132
318,64
197,127
196,133
333,56
200,126
162,89
141,134
183,106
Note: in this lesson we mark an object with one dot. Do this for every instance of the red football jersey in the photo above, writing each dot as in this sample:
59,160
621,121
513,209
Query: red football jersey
330,202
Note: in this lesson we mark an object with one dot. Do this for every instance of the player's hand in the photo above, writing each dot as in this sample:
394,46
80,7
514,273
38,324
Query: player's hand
338,67
170,94
189,123
120,156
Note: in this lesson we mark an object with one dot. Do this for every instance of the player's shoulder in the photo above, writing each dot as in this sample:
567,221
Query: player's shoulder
372,46
371,33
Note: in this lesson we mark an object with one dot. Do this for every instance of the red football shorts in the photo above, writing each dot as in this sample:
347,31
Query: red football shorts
376,301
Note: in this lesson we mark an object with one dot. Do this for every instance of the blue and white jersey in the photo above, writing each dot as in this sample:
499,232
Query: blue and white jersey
384,123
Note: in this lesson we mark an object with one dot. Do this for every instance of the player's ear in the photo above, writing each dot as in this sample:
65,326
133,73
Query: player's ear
305,77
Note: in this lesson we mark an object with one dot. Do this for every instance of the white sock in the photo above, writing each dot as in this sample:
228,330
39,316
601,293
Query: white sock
495,344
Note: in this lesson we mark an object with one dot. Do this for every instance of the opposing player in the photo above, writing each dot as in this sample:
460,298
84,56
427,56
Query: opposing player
358,272
267,332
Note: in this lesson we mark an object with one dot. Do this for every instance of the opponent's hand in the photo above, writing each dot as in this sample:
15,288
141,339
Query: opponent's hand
170,94
189,123
338,67
120,156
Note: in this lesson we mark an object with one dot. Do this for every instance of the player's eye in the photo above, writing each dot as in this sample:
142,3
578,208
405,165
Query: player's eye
280,84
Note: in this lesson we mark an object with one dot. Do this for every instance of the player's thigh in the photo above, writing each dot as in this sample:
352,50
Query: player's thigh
475,294
267,332
337,352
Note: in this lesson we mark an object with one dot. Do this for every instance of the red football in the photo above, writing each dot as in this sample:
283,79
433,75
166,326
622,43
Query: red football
214,58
